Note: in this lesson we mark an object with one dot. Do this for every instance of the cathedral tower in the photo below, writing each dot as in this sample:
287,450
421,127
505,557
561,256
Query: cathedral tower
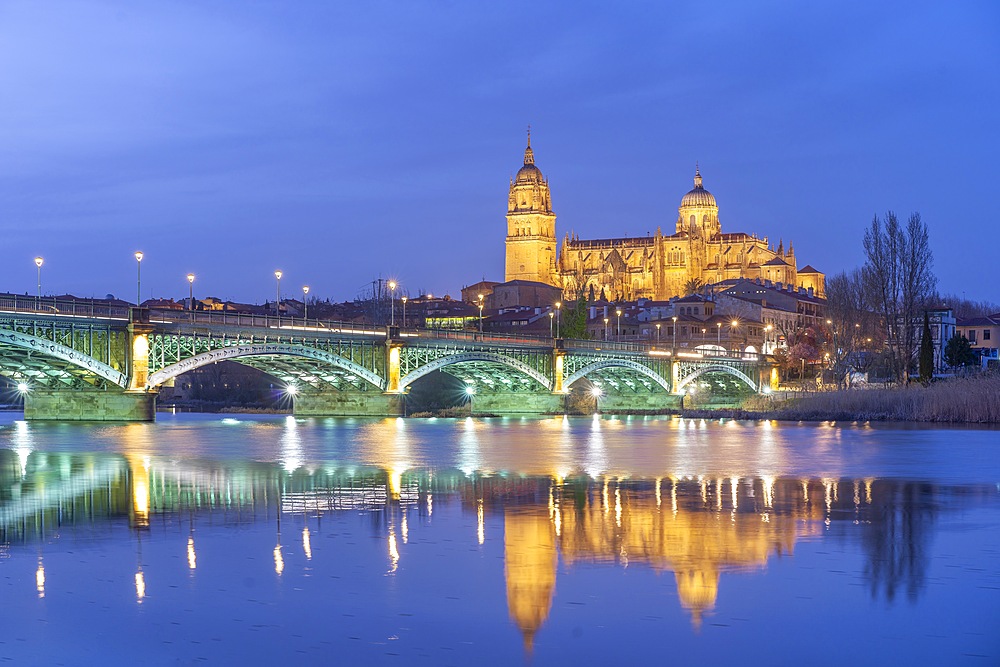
531,225
698,214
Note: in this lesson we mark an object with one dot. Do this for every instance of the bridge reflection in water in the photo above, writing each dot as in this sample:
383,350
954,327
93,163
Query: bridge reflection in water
697,528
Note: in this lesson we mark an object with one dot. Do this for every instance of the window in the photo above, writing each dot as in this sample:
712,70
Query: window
986,334
972,336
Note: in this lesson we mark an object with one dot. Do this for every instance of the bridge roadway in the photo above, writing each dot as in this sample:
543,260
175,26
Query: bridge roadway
81,360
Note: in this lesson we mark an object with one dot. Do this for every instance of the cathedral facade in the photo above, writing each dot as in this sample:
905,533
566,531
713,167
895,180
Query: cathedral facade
659,266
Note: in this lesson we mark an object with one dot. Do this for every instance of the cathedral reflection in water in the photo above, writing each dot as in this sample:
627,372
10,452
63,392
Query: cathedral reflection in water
694,527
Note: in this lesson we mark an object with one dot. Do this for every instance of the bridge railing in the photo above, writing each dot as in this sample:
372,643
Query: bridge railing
255,321
480,337
665,350
47,305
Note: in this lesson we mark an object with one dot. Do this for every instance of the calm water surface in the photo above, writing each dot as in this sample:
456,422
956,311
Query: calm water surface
456,542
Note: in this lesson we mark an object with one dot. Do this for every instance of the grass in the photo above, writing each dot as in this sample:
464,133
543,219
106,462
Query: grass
971,400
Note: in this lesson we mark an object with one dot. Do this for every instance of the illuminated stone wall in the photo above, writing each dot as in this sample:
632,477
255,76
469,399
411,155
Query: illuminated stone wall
42,404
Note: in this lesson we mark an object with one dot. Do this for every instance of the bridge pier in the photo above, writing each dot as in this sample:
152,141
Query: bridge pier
349,404
53,405
640,402
518,403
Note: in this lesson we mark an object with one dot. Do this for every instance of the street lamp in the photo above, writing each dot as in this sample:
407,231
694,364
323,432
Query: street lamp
552,317
605,328
305,303
481,313
138,277
190,278
718,327
277,296
404,310
38,299
732,328
558,316
767,338
470,391
674,318
392,303
618,312
657,333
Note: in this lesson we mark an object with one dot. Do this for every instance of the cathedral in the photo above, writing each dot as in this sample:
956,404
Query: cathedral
656,267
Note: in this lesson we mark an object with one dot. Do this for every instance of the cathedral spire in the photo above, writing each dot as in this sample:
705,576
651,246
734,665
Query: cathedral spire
529,156
697,176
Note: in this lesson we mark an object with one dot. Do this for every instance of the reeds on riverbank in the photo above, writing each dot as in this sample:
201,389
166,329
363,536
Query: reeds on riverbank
973,400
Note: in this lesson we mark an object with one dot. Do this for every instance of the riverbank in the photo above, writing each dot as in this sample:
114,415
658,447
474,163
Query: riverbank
974,400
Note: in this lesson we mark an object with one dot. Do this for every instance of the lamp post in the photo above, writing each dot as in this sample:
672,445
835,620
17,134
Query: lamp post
38,298
657,333
404,311
190,278
305,303
767,338
138,277
605,328
392,303
552,317
732,329
277,296
718,327
674,318
480,313
558,316
618,312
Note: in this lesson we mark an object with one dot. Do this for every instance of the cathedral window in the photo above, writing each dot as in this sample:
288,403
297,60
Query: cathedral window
693,218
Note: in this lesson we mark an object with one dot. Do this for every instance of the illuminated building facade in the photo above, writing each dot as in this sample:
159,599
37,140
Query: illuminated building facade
659,266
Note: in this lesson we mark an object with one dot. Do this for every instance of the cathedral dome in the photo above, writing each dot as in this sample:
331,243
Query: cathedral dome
529,173
699,196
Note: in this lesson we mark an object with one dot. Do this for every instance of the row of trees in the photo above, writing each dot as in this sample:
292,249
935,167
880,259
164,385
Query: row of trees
874,313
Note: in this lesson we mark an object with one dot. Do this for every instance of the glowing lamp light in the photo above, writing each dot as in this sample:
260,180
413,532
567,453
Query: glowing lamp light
22,387
291,390
470,390
596,392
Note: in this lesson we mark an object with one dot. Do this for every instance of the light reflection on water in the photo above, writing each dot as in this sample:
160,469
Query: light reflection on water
557,511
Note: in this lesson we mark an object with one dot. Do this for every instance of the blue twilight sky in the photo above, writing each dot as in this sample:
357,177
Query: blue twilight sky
340,141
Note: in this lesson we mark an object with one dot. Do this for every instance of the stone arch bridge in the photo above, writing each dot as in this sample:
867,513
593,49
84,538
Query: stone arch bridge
80,361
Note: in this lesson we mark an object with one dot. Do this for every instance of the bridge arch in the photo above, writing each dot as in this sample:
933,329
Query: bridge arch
617,363
465,357
235,352
69,358
717,368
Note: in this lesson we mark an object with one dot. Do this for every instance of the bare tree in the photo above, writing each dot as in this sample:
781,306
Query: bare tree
853,324
964,308
900,280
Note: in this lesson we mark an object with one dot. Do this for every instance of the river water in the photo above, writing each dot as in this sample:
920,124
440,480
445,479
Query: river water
582,541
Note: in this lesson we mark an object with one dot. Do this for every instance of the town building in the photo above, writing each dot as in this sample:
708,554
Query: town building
657,266
983,334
